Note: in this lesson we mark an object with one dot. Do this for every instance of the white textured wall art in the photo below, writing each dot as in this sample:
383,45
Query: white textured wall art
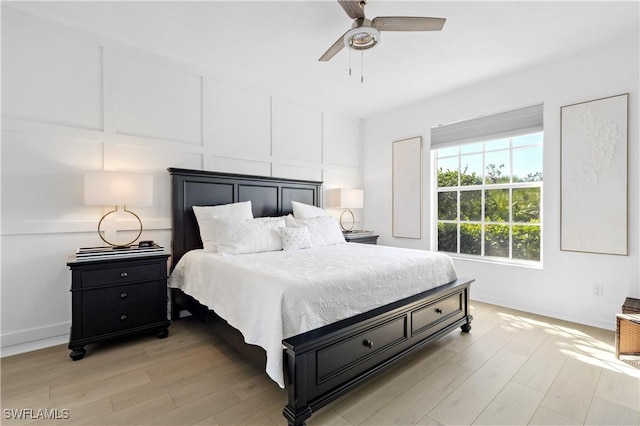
594,176
407,188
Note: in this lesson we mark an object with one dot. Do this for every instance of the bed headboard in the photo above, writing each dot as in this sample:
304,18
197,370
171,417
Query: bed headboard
269,197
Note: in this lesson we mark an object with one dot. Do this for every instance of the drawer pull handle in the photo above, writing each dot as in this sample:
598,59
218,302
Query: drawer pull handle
123,275
123,295
368,343
438,311
123,318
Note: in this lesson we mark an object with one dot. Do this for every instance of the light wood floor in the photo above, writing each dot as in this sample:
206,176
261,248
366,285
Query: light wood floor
513,368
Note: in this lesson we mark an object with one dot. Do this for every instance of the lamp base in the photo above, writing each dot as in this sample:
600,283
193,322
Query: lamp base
353,220
117,246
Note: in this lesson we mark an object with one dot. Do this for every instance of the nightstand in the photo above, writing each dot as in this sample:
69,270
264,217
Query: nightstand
116,297
361,237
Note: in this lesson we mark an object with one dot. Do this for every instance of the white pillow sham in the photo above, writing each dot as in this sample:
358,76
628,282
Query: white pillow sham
242,236
323,230
295,238
205,215
305,211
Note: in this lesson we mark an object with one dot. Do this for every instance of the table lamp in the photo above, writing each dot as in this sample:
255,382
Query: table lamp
105,188
347,199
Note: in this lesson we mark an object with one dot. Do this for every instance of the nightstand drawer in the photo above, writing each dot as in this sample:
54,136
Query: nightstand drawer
120,275
117,308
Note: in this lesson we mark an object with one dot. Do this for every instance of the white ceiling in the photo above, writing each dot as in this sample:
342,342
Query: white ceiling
275,45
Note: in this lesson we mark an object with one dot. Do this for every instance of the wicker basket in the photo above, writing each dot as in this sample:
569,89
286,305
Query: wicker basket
628,328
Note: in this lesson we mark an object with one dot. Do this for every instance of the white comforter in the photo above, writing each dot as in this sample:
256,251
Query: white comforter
274,295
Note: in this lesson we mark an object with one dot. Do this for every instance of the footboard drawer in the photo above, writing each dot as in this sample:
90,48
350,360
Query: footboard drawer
437,314
346,354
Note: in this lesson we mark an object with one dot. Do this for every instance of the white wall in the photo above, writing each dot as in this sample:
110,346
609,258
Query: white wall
72,101
563,288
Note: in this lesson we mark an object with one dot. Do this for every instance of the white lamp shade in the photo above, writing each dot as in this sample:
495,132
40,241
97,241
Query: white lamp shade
117,189
346,198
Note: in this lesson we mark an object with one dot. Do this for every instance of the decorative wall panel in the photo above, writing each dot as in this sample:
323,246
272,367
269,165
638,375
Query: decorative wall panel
594,176
297,132
239,119
157,101
38,72
341,136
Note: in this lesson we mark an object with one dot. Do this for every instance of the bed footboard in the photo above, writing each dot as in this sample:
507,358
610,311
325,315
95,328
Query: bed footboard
323,364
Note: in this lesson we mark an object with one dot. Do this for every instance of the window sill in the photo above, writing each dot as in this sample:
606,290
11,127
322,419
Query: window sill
497,261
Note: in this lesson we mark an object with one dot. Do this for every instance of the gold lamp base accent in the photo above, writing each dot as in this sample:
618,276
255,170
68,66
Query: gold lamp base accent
119,245
353,220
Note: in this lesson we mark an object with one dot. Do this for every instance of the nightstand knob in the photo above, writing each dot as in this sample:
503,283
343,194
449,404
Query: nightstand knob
123,318
438,311
123,275
123,295
368,343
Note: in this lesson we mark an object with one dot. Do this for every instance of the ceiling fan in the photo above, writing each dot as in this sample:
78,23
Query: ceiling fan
365,33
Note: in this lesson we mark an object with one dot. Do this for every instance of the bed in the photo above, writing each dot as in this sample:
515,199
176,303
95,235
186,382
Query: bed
322,361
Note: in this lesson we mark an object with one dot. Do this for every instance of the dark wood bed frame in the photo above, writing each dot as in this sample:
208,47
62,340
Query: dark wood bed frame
322,364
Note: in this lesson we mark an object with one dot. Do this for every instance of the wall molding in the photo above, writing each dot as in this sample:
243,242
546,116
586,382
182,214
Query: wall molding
79,226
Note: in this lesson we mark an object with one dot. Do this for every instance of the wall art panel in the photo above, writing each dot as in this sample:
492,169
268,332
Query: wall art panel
407,188
594,216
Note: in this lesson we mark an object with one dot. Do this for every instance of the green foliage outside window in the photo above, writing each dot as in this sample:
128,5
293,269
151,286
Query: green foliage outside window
521,206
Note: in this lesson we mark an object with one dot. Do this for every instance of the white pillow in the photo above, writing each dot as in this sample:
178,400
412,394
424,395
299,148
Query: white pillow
295,238
323,230
240,236
305,211
205,214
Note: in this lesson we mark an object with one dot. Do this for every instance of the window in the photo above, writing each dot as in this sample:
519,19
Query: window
489,194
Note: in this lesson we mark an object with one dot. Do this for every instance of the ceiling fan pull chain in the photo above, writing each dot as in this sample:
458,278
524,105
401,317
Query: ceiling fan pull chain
349,62
361,67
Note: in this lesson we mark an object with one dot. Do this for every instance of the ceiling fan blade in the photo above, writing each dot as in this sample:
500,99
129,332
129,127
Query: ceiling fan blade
333,50
407,23
353,8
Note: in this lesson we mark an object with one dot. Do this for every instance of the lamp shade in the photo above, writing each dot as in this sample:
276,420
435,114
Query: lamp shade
117,189
347,198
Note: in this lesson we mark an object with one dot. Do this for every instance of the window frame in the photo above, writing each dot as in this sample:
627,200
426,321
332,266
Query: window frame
510,186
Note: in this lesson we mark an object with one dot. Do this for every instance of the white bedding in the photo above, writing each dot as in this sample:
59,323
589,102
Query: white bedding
274,295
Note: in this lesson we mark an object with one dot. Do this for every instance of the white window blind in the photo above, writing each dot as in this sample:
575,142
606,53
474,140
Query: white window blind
497,126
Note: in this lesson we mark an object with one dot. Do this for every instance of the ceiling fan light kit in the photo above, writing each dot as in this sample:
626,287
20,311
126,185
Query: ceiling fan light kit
361,38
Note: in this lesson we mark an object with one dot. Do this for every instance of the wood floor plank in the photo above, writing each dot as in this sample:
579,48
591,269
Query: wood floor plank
542,367
467,401
573,389
252,409
411,406
367,400
141,412
76,395
515,404
483,349
603,412
213,383
35,395
91,413
546,417
196,411
617,387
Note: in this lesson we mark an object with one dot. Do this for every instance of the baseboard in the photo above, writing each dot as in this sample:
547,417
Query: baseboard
34,339
21,348
534,310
